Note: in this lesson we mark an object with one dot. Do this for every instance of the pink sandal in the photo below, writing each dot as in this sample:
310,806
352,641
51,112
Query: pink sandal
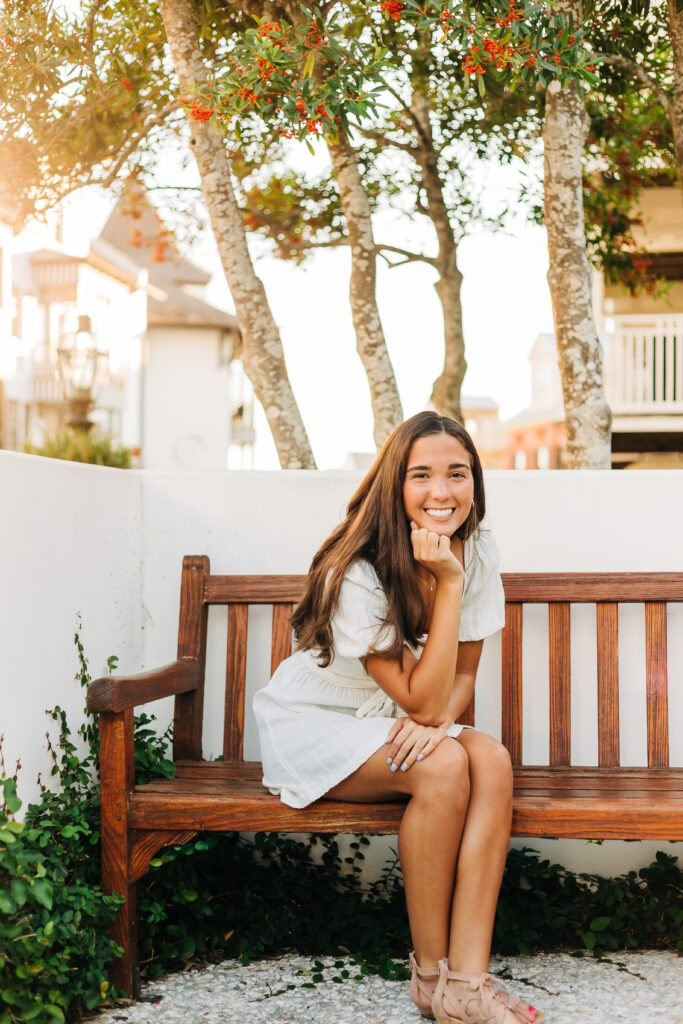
422,986
480,1003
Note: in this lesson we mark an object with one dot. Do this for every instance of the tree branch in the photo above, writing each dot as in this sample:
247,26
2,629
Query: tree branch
640,73
410,257
136,138
370,133
89,29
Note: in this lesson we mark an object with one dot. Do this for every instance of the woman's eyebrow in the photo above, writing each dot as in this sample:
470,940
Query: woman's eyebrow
453,465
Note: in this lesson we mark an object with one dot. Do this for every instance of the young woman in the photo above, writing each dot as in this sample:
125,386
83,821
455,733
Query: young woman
389,634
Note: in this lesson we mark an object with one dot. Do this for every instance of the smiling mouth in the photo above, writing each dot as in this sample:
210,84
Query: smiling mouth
439,513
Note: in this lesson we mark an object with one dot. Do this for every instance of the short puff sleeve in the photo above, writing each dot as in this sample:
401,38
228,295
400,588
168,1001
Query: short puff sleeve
483,599
358,623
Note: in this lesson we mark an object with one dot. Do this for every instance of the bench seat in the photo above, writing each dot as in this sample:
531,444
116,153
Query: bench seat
578,802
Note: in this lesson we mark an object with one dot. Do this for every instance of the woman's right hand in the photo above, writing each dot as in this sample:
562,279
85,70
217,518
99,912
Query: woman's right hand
433,551
408,742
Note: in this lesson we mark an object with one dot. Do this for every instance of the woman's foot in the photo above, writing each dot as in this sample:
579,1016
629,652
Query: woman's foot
422,986
462,998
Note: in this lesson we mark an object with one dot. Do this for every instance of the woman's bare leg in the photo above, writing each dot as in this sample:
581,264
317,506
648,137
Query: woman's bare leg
483,851
429,836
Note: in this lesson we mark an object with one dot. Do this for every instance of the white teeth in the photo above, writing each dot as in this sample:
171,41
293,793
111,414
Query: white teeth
439,513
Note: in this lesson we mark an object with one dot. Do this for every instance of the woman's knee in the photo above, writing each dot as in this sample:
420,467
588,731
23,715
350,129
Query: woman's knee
444,774
490,762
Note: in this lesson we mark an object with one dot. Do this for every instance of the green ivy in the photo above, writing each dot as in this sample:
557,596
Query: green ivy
221,895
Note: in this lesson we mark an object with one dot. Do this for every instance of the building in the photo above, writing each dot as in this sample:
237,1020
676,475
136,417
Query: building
172,389
643,368
536,437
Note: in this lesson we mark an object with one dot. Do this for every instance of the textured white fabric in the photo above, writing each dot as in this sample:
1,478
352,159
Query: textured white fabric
317,725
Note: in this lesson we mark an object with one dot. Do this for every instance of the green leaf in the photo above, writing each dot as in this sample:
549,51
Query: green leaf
7,904
19,890
6,836
13,802
589,940
598,924
42,891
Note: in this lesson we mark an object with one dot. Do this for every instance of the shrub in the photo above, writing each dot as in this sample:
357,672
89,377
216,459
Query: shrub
82,446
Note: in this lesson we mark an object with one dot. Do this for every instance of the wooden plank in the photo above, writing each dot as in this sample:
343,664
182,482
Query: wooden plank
145,844
117,693
511,698
579,587
559,682
574,820
235,676
553,815
656,683
117,781
253,589
189,707
281,642
607,634
527,587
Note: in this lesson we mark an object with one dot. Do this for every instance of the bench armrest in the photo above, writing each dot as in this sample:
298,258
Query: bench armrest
118,693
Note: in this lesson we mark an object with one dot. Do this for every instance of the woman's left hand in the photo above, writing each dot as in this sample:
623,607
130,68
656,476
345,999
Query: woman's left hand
409,742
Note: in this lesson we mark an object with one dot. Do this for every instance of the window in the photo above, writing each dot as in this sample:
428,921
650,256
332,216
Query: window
543,458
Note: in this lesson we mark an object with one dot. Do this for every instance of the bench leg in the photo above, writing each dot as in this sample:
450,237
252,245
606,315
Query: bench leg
117,780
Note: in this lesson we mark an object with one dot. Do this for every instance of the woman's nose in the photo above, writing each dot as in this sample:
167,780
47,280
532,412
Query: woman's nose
439,488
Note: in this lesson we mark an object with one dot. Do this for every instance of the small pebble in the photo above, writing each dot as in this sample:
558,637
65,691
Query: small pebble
629,988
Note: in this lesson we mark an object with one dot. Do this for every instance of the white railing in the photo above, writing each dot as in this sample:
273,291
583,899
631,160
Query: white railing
644,364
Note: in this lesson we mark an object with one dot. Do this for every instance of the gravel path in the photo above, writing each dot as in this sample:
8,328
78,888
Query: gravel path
634,988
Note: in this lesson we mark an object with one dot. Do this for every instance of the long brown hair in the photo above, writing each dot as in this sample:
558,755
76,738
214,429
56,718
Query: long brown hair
376,529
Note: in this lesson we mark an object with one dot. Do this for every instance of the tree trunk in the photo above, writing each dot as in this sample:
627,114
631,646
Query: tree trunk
676,108
262,353
370,341
580,355
445,395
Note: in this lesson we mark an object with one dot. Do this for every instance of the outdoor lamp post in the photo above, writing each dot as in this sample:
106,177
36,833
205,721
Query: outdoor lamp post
81,367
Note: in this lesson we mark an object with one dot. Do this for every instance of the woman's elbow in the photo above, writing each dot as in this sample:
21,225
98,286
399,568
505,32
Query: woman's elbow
426,715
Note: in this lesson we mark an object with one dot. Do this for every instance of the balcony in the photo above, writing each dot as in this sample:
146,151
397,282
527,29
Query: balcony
644,365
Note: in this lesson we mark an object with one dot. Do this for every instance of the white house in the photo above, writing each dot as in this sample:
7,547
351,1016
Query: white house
172,391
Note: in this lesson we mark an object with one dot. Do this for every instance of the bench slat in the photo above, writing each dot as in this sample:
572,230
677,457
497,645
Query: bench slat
189,707
281,644
580,587
607,631
600,816
560,682
656,683
235,675
526,776
253,589
511,698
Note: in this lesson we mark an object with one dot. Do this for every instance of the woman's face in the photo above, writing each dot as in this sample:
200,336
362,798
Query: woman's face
439,487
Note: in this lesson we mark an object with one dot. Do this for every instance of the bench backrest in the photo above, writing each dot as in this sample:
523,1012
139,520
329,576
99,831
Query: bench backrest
200,590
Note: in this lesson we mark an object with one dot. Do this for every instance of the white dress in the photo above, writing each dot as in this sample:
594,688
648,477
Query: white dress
317,725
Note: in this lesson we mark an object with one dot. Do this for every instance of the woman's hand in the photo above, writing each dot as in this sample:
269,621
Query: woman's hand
433,551
409,742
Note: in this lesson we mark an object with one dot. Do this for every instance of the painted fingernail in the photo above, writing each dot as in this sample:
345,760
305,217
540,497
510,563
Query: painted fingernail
419,757
404,767
388,760
394,768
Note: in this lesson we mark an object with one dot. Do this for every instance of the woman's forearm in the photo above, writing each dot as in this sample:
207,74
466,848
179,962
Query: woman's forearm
431,681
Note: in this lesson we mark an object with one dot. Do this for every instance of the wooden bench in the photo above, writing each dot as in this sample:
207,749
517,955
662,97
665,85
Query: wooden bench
609,801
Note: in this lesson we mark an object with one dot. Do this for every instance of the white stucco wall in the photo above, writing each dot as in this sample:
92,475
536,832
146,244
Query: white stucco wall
110,543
